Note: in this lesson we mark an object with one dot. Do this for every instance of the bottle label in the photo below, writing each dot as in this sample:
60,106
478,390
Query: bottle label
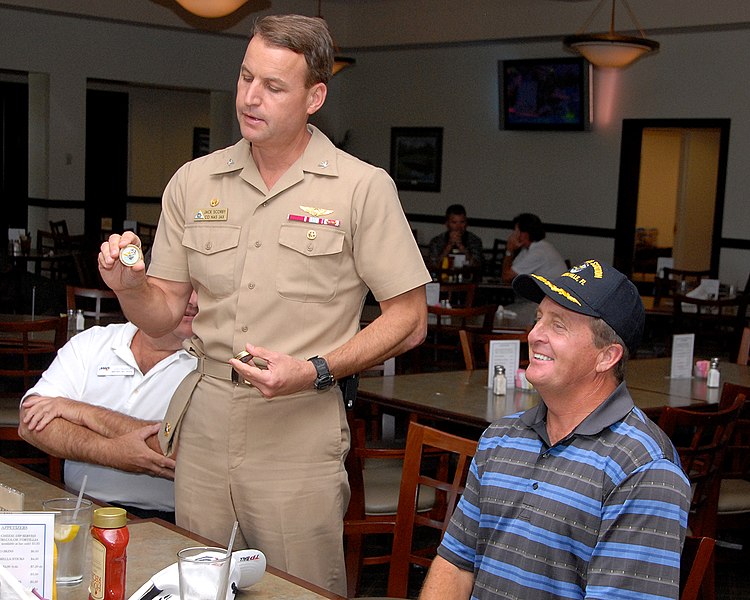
98,565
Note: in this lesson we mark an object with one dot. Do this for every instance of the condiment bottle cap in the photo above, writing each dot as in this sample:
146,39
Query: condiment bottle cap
110,517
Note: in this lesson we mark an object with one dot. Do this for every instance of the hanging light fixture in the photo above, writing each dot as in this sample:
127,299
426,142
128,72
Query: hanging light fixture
610,49
339,62
211,9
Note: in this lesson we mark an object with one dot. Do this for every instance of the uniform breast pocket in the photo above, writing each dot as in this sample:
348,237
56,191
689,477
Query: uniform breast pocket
212,256
309,263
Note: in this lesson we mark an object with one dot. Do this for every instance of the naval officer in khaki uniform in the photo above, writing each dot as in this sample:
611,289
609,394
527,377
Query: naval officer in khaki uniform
281,235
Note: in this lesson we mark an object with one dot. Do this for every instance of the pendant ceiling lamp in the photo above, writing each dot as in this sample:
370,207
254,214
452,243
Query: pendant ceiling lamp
339,62
211,9
611,49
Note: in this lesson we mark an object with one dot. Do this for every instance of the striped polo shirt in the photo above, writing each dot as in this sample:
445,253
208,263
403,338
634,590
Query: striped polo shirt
601,514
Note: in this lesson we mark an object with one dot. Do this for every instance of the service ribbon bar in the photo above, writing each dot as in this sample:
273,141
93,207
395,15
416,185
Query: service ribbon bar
315,220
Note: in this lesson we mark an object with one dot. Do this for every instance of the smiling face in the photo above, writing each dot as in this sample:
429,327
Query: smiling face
562,356
273,102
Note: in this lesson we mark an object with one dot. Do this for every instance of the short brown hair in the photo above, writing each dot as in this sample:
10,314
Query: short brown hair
308,36
603,335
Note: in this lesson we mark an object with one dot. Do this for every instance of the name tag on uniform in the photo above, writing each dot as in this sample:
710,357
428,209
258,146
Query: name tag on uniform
211,214
117,371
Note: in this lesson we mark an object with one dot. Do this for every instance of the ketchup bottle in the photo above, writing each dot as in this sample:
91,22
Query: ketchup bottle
108,554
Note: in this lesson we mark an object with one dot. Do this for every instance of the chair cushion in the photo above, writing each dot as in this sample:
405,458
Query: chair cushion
734,496
382,485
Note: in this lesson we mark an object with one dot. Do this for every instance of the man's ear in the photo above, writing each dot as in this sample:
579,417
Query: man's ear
609,357
316,96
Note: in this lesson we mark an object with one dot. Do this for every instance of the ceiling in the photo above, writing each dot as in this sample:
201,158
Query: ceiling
359,24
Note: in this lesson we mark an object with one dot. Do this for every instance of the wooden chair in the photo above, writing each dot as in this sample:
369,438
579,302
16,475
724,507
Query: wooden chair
674,281
100,305
56,269
695,561
447,480
375,473
717,324
458,295
701,439
473,341
743,356
733,509
26,349
492,258
442,347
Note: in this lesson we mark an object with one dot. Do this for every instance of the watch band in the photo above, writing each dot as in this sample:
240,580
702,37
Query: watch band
324,379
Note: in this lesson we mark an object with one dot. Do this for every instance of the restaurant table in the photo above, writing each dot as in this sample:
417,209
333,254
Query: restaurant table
462,397
153,546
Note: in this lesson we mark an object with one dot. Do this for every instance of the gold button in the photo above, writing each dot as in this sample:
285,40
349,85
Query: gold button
257,244
251,286
312,234
208,245
244,329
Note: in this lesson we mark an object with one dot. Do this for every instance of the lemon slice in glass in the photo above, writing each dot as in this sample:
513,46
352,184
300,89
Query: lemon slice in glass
66,533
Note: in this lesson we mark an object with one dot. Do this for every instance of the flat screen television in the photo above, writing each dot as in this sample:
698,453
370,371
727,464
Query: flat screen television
544,94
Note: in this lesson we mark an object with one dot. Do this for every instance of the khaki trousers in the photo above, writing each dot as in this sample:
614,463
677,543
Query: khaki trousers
276,466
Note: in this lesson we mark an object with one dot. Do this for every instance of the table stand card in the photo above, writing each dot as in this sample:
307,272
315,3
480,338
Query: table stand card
506,353
27,548
682,356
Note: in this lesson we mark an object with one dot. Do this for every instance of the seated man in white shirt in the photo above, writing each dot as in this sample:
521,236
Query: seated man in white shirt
99,406
528,252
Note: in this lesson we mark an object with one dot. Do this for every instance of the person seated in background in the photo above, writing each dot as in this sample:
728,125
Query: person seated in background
528,252
581,496
455,241
99,406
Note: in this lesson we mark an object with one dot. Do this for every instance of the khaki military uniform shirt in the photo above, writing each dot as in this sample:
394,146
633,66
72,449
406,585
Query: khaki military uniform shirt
264,275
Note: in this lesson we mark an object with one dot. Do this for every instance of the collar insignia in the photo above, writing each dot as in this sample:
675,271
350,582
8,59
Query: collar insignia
316,212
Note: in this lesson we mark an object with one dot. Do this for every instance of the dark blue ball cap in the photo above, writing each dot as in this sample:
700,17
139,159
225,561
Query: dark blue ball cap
595,289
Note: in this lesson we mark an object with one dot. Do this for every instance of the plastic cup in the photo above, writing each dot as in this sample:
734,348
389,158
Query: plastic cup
202,569
71,537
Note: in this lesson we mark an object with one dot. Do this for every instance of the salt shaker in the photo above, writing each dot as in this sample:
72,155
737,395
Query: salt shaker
714,376
499,382
80,324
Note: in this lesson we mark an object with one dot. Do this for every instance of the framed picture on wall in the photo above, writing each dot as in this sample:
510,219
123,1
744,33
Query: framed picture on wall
416,158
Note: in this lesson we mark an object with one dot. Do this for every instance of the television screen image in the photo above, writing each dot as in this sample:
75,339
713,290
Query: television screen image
544,94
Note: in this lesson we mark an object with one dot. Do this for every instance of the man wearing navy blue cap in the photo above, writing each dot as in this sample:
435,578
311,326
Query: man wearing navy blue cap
581,496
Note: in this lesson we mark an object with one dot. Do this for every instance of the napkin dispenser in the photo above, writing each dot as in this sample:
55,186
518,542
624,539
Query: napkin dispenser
248,567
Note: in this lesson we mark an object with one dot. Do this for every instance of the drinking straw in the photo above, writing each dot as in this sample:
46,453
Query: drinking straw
80,497
224,582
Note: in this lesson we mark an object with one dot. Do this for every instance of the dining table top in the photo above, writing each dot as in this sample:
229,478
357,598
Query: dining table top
153,546
462,397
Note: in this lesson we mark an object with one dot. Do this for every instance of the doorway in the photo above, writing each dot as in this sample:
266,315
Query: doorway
672,172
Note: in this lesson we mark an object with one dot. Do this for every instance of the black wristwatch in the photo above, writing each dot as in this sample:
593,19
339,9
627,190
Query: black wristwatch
324,379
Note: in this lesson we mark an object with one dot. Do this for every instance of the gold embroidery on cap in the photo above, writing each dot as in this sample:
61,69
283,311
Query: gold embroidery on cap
556,289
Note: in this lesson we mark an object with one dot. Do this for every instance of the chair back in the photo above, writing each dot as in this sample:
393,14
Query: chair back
442,346
701,438
717,324
492,258
446,474
100,305
673,281
737,455
475,346
26,349
697,554
743,355
458,295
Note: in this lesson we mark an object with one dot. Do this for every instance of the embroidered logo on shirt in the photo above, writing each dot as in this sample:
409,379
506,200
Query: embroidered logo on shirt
316,212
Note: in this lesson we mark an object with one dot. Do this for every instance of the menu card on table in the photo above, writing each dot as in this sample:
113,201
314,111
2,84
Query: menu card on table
506,353
682,356
27,548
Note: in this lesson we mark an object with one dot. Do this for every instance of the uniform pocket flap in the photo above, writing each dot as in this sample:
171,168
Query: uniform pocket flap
312,242
210,239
